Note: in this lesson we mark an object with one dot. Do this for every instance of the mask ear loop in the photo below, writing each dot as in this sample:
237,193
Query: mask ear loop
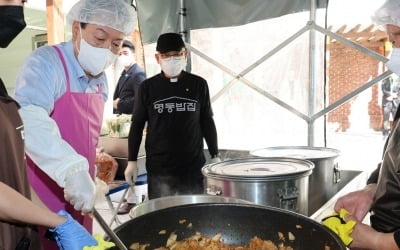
76,42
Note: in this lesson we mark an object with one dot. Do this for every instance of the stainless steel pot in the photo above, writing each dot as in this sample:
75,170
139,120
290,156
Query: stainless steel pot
275,181
326,174
177,200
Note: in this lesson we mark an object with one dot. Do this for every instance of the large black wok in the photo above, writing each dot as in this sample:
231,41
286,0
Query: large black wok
238,223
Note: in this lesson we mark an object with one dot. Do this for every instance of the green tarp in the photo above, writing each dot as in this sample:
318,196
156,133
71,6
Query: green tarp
159,16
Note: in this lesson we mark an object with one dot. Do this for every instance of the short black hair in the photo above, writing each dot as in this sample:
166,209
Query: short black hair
128,44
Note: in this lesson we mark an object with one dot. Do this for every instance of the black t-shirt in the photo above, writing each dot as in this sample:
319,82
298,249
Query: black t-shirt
178,115
373,178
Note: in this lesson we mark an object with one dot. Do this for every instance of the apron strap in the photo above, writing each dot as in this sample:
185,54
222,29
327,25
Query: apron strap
60,55
100,88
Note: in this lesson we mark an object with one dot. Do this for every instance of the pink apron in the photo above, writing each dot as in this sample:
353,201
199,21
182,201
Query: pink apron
79,118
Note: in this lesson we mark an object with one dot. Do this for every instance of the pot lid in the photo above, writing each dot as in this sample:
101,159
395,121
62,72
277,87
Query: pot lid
296,152
261,167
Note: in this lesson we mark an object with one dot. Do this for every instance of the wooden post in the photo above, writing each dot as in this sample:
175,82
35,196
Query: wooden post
55,22
139,50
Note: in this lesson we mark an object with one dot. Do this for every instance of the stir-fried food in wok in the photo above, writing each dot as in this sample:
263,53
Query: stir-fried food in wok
202,242
199,242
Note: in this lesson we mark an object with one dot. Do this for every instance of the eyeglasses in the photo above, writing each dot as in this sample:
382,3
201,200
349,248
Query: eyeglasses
172,55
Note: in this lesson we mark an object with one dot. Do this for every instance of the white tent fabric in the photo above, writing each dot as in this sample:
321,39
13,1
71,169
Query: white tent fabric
264,61
271,60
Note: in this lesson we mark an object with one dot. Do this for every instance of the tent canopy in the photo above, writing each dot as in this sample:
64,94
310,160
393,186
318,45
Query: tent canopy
156,18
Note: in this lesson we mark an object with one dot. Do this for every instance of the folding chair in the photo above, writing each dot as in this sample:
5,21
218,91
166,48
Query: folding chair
118,186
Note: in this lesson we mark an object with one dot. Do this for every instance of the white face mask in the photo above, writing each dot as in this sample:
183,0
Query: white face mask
94,60
394,62
173,65
125,60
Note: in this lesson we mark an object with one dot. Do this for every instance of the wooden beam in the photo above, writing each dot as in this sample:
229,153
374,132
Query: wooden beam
55,21
369,28
381,37
355,29
370,37
341,29
366,44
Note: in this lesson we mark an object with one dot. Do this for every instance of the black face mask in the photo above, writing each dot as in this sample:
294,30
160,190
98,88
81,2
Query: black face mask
12,22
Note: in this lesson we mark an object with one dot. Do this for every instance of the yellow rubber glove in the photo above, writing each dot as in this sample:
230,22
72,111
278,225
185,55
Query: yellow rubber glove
336,222
101,244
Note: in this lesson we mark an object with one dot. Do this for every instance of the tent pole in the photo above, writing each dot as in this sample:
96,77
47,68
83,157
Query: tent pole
312,75
183,30
352,94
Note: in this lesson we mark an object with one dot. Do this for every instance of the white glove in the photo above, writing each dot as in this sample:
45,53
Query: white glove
131,172
80,191
215,160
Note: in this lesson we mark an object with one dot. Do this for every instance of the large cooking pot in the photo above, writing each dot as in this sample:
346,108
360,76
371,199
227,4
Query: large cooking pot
177,200
326,174
274,181
237,223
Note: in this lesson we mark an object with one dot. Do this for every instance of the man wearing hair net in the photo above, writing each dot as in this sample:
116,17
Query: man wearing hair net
62,90
381,196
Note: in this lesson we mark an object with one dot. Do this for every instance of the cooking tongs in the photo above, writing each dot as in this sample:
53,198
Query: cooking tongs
108,230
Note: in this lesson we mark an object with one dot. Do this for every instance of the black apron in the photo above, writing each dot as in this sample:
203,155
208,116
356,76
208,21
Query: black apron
13,171
385,214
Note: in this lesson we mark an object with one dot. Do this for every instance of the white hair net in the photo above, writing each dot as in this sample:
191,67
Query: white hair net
388,13
116,14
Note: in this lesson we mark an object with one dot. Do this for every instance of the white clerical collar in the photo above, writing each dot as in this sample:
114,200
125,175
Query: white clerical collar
175,79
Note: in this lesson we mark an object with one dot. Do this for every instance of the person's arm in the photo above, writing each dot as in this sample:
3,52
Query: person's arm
139,119
208,127
358,203
14,207
127,97
134,140
125,104
68,233
59,161
41,132
365,237
210,135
